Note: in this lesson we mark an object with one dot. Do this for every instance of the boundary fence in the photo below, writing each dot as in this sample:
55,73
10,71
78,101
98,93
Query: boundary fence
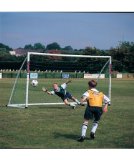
59,74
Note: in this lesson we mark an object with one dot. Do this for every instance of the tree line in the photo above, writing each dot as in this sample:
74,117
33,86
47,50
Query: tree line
122,58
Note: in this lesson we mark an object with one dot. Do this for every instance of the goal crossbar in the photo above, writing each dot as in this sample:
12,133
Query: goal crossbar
67,55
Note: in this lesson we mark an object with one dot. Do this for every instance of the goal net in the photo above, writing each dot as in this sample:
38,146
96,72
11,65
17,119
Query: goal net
49,68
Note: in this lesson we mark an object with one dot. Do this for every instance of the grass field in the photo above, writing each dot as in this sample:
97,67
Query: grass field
57,127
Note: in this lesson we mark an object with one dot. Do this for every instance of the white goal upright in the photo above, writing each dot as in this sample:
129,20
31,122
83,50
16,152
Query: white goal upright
25,82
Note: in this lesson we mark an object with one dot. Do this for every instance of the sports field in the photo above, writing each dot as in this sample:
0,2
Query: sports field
58,127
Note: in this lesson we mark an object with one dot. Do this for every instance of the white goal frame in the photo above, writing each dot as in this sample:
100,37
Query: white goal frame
57,55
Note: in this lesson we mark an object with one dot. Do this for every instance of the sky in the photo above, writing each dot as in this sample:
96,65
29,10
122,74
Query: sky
102,30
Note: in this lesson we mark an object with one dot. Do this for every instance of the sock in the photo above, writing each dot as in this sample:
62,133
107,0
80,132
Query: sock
83,130
94,127
76,100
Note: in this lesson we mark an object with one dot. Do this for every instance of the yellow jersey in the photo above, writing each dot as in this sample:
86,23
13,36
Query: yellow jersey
95,98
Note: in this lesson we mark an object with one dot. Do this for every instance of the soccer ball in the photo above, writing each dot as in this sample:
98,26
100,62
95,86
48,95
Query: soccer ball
34,83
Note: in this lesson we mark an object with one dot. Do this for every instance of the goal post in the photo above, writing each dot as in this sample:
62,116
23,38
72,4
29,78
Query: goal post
28,68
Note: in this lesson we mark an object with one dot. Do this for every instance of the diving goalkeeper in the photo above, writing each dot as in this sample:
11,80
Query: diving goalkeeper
62,93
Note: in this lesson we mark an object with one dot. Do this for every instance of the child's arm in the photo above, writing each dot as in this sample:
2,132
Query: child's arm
105,108
69,81
45,90
107,102
83,100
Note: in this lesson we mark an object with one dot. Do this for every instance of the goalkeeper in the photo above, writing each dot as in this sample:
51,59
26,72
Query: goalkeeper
62,93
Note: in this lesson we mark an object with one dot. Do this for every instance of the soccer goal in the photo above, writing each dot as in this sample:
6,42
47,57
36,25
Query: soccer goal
49,68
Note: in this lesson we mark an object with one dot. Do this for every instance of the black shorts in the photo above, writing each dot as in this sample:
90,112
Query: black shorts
67,96
93,113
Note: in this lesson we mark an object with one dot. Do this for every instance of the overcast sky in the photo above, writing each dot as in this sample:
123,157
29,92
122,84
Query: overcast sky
79,30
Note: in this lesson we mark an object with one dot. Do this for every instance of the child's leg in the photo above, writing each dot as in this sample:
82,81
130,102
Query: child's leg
84,128
94,127
83,131
75,100
66,102
69,104
97,115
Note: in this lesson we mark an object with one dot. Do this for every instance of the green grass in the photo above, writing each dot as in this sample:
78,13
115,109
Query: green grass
57,127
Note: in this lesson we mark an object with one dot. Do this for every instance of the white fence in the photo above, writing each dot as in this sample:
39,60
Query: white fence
0,75
95,76
119,75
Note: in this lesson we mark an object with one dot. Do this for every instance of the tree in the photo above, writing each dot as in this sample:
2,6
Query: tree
7,48
53,45
39,46
29,47
4,50
123,57
91,51
68,48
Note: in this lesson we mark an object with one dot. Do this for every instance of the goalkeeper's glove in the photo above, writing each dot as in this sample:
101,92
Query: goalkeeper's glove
44,89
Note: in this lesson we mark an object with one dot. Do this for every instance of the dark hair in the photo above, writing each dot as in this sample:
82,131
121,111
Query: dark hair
92,83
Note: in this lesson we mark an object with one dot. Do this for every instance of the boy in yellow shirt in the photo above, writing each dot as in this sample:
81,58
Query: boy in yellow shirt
94,108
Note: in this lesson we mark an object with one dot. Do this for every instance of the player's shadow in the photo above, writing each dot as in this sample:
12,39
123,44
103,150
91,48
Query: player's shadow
67,136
